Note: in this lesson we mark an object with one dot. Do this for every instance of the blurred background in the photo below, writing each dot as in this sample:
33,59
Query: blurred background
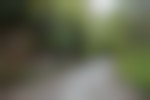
75,49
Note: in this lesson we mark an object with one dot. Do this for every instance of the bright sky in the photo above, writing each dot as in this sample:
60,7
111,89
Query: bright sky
101,7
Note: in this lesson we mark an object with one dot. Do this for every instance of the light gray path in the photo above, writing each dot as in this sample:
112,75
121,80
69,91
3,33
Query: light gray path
92,79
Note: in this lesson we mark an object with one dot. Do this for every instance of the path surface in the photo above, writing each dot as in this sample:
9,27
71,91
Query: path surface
93,79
